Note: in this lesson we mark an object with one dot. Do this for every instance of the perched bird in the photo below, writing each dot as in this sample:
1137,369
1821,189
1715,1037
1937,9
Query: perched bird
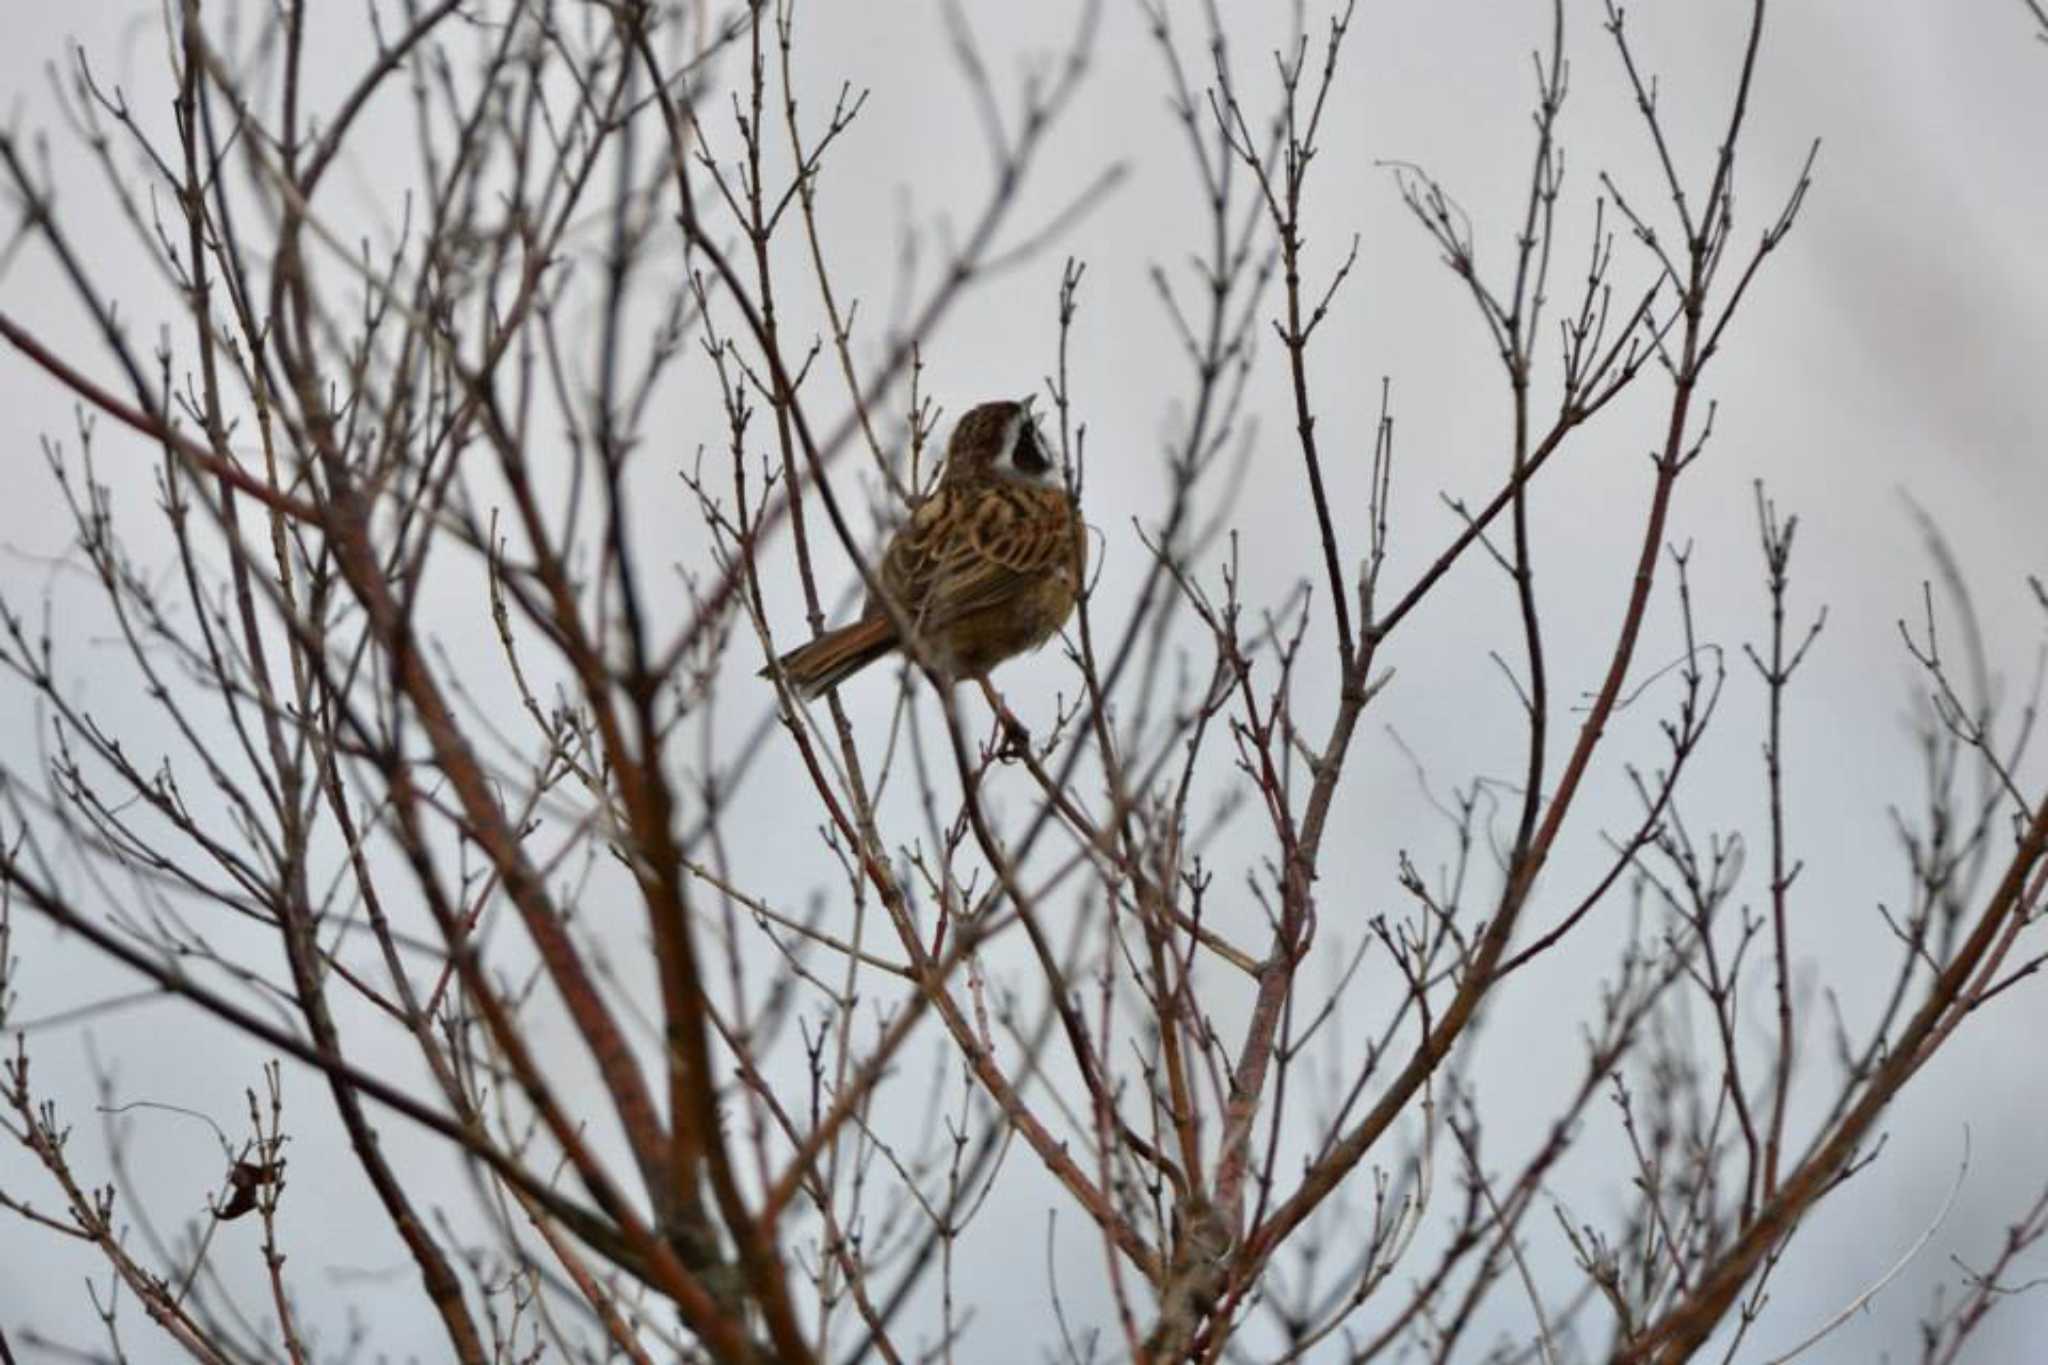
988,565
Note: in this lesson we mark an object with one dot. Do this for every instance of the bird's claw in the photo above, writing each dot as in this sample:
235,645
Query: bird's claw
1015,740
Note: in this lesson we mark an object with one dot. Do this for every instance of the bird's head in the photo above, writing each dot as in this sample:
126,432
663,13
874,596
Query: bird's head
999,440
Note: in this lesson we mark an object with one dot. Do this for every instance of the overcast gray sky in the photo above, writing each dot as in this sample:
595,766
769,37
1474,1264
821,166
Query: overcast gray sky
1893,353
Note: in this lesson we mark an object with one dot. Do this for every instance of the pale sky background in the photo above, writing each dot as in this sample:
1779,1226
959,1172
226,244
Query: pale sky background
1894,348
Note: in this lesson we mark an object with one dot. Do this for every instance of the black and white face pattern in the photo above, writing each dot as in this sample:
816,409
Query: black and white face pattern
1024,455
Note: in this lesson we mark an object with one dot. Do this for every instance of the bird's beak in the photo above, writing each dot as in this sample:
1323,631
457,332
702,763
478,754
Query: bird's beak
1026,401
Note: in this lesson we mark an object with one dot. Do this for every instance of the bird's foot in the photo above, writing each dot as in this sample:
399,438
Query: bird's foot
1015,745
1013,737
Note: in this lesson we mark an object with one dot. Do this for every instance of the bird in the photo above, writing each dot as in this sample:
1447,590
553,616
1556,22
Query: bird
988,565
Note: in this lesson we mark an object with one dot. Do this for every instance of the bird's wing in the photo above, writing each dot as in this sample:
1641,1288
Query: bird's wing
911,563
1003,539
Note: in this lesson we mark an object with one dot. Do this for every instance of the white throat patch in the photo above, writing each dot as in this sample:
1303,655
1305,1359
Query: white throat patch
1013,442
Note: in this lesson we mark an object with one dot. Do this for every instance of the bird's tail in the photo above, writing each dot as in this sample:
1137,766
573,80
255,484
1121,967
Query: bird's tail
818,667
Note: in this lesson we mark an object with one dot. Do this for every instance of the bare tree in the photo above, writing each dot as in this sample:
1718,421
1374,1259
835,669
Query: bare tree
439,781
